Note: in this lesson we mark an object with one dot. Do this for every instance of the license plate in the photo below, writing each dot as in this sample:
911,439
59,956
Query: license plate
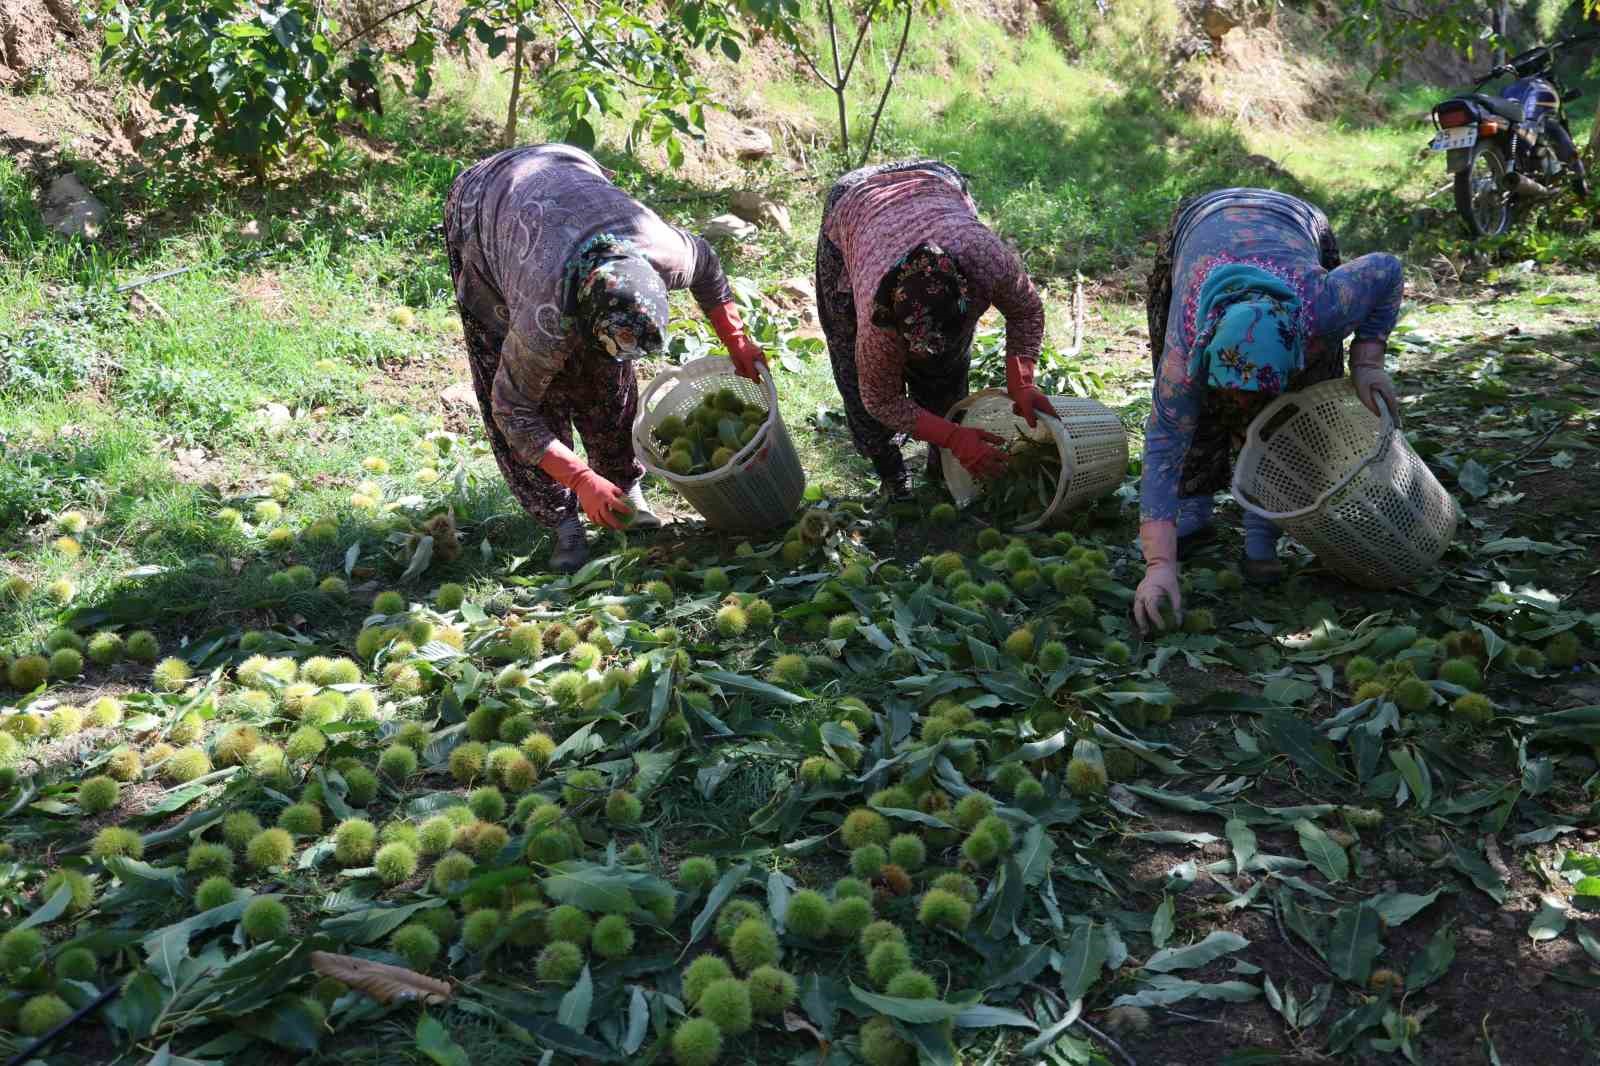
1460,137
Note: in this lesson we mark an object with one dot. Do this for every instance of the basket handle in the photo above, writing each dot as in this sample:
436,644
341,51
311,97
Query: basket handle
1386,431
657,384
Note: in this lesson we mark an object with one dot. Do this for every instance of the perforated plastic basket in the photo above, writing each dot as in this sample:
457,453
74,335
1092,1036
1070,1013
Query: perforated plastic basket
1346,484
762,486
1089,435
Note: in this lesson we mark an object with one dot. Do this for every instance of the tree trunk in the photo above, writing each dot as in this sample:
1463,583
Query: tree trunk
1594,136
888,86
839,82
508,138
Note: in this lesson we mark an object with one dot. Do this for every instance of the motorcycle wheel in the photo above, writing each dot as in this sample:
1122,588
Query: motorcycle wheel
1481,198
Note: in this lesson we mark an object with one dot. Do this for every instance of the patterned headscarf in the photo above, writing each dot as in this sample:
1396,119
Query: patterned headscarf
924,297
619,300
1250,338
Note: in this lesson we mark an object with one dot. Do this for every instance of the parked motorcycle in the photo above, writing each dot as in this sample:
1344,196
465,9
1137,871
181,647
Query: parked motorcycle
1513,148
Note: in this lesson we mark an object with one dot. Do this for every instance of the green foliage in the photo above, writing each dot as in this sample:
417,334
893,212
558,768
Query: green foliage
1397,33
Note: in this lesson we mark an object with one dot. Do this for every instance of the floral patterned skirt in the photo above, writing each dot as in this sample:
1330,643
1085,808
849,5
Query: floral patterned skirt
600,397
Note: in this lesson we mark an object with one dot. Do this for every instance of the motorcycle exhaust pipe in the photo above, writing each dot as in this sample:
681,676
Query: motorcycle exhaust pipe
1526,188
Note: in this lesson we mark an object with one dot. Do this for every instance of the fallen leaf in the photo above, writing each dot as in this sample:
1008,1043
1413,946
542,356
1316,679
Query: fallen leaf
384,983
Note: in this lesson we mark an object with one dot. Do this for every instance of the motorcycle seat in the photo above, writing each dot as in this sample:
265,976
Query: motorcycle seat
1506,109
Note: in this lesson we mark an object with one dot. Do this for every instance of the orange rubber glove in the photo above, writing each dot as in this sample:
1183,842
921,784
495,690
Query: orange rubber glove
603,502
744,352
974,448
1160,543
1026,397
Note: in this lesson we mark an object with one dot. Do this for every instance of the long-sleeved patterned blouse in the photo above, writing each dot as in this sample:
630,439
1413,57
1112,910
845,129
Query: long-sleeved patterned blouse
516,220
879,221
1279,234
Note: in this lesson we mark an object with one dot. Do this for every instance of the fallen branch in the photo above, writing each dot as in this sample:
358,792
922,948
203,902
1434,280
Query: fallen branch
1104,1038
1535,446
1287,939
32,1051
1079,308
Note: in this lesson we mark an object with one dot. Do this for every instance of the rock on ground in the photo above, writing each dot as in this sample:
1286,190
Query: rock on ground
759,208
749,142
731,227
71,210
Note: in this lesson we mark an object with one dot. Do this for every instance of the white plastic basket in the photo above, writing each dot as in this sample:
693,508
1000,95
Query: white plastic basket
1089,435
762,485
1346,484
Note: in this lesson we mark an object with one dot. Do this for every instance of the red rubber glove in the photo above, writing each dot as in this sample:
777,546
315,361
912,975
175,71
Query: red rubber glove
1026,397
1160,543
974,448
603,502
744,352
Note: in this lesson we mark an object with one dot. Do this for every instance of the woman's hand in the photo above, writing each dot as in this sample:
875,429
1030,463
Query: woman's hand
603,502
1027,400
1160,543
744,352
1371,379
976,449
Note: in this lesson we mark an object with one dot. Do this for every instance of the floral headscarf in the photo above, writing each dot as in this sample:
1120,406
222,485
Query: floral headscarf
1250,338
924,297
617,298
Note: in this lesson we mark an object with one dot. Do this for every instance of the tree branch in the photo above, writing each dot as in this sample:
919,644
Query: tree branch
861,36
379,21
823,78
599,56
888,86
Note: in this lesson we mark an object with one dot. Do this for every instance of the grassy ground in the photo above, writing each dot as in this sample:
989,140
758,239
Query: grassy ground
319,343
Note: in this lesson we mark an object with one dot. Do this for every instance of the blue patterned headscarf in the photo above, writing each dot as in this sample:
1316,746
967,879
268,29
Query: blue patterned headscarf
1249,334
619,300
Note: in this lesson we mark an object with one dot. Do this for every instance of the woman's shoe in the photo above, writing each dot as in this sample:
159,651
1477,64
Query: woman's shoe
1193,542
643,517
1263,571
572,547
